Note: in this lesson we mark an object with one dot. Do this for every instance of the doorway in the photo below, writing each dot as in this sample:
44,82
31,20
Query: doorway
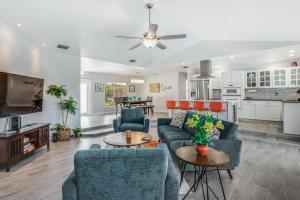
85,96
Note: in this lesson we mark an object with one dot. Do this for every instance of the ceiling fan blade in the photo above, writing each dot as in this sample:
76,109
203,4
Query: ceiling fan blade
172,37
127,37
152,29
161,45
135,46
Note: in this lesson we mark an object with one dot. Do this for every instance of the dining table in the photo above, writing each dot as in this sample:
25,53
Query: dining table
140,102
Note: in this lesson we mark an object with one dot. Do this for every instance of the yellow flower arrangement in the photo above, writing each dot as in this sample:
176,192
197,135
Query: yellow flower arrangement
204,126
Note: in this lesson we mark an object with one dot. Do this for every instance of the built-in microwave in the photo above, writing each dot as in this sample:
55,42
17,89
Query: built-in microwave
231,91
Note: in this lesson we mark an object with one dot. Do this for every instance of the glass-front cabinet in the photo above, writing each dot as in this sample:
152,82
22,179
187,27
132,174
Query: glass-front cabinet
295,77
265,78
251,79
280,78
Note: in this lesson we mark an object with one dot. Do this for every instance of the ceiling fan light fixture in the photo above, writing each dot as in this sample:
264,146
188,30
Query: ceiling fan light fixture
150,43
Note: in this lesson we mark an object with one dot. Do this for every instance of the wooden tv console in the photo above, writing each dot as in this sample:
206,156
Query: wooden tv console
12,145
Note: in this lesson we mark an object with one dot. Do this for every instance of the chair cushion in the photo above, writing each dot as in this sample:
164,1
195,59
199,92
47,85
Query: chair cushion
133,115
131,126
176,135
178,120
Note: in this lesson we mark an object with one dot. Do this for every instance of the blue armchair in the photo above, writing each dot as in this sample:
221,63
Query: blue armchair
131,119
118,174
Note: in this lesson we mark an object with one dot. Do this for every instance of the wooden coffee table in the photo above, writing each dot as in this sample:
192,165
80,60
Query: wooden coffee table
120,139
214,159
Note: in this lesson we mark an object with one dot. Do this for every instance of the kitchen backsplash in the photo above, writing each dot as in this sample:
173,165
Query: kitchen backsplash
271,93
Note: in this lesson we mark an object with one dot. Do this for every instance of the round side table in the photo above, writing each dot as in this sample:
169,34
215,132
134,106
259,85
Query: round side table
120,139
215,158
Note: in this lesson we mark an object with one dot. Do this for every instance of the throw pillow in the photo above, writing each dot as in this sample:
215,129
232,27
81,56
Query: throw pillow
178,120
215,134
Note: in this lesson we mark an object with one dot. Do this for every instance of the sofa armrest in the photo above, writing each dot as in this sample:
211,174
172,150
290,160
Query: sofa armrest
232,148
69,188
95,146
163,121
172,181
146,125
117,124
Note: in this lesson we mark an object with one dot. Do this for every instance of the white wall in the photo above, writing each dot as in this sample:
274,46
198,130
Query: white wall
166,79
97,98
20,56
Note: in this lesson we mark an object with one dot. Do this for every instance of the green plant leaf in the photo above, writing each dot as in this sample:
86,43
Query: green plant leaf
57,91
70,105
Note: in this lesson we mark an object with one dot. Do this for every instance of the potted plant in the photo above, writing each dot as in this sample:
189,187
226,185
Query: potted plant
67,105
204,127
77,131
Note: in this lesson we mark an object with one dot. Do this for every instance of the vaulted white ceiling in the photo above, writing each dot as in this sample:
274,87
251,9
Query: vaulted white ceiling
214,28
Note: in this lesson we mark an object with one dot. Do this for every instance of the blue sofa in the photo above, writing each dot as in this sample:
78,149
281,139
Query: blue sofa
178,137
131,119
119,174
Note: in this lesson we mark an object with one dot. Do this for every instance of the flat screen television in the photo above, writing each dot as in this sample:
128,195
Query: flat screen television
20,95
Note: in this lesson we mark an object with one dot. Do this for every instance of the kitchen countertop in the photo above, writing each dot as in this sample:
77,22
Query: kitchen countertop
291,101
262,99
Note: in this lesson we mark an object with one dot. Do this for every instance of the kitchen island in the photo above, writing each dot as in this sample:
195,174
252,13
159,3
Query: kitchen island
291,117
229,113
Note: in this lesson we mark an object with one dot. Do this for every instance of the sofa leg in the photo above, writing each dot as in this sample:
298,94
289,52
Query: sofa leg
229,173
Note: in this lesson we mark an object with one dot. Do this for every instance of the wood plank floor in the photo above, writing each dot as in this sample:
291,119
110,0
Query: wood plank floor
268,170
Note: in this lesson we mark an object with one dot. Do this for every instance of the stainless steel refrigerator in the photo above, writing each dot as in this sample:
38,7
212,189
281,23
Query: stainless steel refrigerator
202,90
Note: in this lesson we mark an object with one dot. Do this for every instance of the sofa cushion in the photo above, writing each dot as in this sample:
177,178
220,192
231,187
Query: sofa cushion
131,126
164,128
229,131
132,115
170,136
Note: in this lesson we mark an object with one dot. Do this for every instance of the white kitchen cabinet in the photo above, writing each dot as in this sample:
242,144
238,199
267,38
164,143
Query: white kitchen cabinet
237,78
294,76
226,79
215,83
232,79
265,78
263,110
251,79
280,78
249,109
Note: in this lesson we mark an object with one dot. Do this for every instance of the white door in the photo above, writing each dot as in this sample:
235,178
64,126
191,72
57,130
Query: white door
85,96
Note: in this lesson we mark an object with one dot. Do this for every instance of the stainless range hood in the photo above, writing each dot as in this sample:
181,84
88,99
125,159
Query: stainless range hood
205,71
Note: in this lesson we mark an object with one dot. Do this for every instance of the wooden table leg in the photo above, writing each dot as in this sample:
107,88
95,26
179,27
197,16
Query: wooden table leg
8,167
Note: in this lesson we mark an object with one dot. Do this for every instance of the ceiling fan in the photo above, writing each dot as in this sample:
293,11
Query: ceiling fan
150,39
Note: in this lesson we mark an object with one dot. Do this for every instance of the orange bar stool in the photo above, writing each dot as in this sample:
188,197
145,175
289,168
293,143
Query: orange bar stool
185,105
216,107
171,105
199,106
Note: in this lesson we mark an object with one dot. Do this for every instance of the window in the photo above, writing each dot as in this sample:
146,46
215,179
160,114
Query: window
113,90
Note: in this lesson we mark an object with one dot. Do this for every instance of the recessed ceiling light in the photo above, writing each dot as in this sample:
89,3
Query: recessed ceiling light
271,60
292,51
19,24
231,57
182,63
291,55
44,44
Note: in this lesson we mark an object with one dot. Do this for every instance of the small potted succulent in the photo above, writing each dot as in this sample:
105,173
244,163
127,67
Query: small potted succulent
205,128
77,131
